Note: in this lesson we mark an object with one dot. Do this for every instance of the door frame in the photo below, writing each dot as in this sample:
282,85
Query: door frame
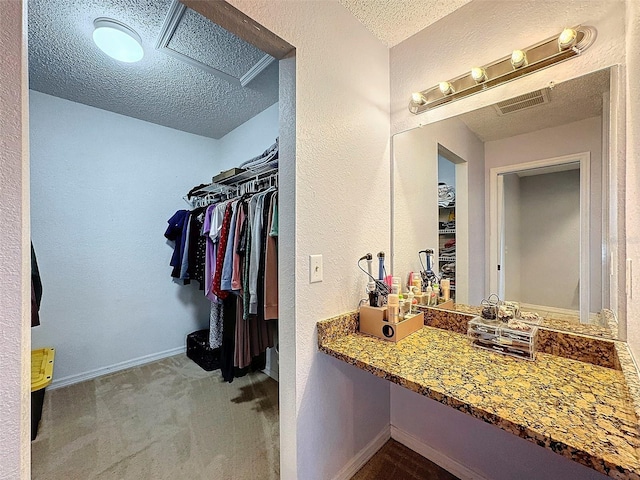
496,222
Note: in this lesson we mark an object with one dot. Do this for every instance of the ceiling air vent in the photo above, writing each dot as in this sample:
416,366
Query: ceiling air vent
528,100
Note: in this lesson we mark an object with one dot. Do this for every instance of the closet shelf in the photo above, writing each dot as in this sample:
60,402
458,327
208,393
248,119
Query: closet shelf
240,177
447,231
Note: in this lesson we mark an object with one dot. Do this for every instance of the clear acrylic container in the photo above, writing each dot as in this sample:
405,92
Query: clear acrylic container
499,337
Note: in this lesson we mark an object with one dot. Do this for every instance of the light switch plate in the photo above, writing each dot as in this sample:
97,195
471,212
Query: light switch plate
315,268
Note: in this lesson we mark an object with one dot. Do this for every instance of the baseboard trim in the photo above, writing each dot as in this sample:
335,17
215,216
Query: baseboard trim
437,457
272,373
98,372
363,456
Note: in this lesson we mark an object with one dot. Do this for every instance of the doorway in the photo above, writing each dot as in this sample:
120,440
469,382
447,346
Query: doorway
286,185
540,234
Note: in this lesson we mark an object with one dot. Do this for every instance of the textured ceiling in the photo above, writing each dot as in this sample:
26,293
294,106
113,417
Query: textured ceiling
393,21
571,101
64,62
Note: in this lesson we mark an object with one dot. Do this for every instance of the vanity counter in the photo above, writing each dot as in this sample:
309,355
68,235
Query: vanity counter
579,410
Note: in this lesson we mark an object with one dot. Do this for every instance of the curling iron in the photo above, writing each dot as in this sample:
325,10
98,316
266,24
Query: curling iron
378,290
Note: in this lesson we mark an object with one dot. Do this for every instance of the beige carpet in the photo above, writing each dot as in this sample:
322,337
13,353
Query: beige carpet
166,420
394,461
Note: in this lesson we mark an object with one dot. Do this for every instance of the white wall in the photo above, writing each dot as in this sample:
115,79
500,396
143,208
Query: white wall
576,137
446,171
103,187
341,170
478,33
15,289
550,240
249,139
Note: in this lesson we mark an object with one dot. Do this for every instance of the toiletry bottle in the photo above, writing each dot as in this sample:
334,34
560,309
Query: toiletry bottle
393,308
436,294
401,310
417,295
410,297
417,282
446,285
395,286
429,293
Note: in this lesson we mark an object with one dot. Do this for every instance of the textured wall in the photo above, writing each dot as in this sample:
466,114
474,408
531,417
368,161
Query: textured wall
478,33
341,195
14,330
103,187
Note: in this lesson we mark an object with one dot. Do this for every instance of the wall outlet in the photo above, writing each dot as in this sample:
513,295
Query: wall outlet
315,268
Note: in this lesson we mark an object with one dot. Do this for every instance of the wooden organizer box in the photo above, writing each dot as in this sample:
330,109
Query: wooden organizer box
373,321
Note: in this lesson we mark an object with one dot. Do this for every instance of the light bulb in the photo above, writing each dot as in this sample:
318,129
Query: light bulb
478,74
567,38
446,88
117,40
418,98
518,58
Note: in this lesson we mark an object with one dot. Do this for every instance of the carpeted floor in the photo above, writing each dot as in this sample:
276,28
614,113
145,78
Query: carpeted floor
394,461
166,420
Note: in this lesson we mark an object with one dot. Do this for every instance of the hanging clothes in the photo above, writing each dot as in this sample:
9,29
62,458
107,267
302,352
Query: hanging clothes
230,248
36,290
174,233
271,264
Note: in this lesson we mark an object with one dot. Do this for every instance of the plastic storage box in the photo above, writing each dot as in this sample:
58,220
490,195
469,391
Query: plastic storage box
41,378
199,351
497,336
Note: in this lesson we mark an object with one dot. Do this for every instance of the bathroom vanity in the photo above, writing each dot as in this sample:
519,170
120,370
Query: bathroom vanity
577,402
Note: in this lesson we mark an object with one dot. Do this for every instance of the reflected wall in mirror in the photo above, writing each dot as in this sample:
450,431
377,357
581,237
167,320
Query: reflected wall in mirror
532,209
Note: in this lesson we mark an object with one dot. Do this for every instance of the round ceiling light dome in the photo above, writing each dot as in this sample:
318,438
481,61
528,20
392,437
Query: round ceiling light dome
117,40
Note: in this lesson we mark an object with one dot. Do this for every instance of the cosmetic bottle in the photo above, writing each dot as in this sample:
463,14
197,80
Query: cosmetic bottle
446,286
393,308
436,294
410,297
429,294
395,286
417,283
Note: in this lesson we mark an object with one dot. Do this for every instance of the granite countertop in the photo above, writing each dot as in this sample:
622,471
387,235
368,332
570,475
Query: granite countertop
577,409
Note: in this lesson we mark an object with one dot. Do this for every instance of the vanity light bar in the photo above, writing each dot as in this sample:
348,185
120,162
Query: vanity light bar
570,43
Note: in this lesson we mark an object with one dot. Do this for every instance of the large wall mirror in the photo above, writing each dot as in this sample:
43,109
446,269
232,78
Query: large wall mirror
518,199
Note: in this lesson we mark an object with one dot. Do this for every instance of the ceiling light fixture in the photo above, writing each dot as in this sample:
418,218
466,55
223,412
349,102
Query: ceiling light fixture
518,59
418,98
117,40
570,43
567,38
446,88
478,74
